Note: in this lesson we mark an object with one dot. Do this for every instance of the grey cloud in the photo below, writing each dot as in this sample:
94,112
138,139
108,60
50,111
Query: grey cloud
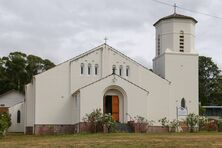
59,30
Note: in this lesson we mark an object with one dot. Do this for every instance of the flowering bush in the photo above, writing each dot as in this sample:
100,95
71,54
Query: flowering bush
192,121
98,121
202,122
108,122
164,122
173,125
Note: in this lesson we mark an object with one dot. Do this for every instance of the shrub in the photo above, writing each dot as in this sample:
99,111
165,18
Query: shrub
140,124
192,121
164,122
98,121
5,122
202,122
108,122
95,120
211,125
173,125
219,125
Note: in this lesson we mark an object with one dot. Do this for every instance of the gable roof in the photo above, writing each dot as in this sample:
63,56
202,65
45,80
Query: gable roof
117,52
175,16
11,98
104,45
110,76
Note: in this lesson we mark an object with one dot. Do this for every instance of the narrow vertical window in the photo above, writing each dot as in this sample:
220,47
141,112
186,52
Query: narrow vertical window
114,69
181,38
18,116
120,70
127,71
183,103
82,69
158,45
96,69
89,69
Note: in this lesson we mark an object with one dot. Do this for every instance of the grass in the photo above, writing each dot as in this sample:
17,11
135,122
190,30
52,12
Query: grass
115,140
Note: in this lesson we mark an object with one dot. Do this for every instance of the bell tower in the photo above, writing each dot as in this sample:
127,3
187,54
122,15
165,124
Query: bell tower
177,60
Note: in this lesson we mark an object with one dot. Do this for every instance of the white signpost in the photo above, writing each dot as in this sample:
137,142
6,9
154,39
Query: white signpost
182,111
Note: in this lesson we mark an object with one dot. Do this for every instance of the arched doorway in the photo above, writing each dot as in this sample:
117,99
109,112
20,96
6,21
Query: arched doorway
111,105
114,102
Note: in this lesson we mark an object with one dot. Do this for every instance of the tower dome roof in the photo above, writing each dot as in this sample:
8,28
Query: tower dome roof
175,16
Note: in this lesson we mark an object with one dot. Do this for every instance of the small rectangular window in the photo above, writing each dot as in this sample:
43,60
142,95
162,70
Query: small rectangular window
120,71
181,50
181,47
127,71
82,69
114,69
96,70
89,70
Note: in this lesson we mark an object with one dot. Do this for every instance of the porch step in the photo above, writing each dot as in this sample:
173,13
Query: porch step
123,127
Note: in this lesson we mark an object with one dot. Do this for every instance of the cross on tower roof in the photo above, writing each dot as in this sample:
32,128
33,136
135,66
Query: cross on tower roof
175,8
105,39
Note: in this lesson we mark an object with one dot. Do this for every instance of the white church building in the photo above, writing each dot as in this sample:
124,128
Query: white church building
57,100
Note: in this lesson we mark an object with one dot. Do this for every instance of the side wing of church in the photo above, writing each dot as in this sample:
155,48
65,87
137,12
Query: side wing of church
104,78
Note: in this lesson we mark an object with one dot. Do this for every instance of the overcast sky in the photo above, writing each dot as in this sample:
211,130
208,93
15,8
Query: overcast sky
61,29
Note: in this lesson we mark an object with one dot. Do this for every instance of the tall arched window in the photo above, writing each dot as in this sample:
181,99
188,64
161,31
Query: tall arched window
120,70
96,69
18,116
127,71
181,41
183,103
89,69
114,69
82,69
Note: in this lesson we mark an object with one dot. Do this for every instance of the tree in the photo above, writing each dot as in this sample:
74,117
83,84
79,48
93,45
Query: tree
17,69
15,72
208,80
217,96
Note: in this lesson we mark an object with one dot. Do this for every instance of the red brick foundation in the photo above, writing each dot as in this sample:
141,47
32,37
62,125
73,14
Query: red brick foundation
86,127
51,129
29,130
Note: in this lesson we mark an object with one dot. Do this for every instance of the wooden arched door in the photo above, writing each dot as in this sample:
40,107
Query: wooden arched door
111,105
115,108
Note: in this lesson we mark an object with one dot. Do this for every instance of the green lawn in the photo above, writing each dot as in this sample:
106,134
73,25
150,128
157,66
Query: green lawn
203,140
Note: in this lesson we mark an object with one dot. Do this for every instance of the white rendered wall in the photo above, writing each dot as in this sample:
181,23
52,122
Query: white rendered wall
76,107
91,97
17,127
29,105
54,88
53,103
79,80
169,31
182,70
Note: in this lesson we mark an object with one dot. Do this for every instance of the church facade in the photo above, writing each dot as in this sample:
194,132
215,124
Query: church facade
58,99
